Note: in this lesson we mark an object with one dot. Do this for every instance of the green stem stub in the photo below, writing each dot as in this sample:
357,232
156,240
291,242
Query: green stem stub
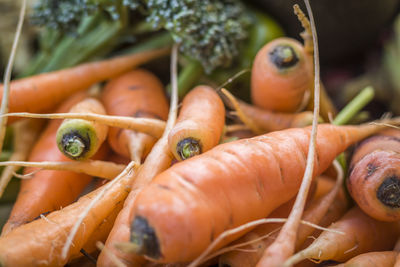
283,56
74,145
188,147
389,192
143,235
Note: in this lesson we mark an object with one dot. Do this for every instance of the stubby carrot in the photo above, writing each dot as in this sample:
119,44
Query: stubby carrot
360,234
200,195
281,74
138,93
200,123
374,179
47,190
80,139
42,92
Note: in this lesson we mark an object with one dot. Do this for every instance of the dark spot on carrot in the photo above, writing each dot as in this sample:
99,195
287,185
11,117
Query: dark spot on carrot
283,56
164,187
388,192
143,235
75,145
231,219
371,168
188,147
134,87
145,114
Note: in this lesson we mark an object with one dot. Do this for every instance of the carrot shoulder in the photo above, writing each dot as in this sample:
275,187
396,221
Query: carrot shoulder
41,93
200,196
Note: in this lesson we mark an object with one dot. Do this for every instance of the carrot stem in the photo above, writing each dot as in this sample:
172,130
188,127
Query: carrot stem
354,106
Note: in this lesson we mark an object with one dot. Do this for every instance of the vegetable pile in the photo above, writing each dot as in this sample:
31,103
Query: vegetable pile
129,161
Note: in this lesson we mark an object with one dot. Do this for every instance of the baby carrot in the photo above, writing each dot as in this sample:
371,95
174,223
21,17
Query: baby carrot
206,188
200,123
80,139
137,93
41,93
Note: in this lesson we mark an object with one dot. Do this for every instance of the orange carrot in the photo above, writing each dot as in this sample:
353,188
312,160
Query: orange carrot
80,139
281,74
374,180
200,196
200,123
138,94
360,234
373,259
47,190
41,93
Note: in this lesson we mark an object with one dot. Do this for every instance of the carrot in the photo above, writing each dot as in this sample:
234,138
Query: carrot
41,93
137,93
40,242
281,74
263,121
200,123
47,190
158,160
374,179
372,259
25,134
200,196
361,234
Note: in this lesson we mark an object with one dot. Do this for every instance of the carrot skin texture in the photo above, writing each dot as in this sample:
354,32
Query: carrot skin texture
373,259
47,190
137,93
203,190
201,120
280,89
41,93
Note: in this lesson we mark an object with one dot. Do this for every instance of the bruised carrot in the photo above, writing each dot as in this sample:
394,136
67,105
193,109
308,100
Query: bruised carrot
41,93
200,123
281,74
200,196
137,93
158,160
374,179
47,190
80,139
361,234
372,259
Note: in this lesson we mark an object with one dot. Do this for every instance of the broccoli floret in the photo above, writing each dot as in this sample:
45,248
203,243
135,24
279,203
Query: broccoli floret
210,31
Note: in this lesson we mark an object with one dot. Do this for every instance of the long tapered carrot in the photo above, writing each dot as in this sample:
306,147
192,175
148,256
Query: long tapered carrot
158,160
47,190
80,139
137,93
200,123
374,179
361,234
41,93
199,195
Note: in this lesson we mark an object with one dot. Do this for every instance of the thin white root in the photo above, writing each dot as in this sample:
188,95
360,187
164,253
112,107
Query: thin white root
117,262
102,169
127,171
7,75
153,127
200,259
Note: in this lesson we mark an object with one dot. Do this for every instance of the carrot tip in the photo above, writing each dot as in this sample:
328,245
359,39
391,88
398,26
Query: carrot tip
389,192
188,147
144,238
283,56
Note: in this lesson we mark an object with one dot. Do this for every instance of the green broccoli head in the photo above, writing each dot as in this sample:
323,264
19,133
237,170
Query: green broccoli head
210,31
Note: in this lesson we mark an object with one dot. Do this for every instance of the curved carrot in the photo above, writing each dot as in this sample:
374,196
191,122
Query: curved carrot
374,180
80,139
41,93
200,196
200,123
281,74
137,93
47,190
361,234
373,259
